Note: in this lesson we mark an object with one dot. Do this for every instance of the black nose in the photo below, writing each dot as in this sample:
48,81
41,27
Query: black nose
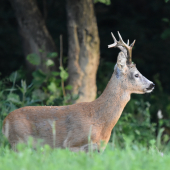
152,85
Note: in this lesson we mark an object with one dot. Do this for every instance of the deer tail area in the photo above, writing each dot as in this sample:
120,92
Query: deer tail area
5,129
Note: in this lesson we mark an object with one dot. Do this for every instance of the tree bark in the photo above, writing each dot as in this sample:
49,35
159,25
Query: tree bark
33,30
83,50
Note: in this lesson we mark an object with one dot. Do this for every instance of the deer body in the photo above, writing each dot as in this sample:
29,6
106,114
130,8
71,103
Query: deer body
72,123
70,126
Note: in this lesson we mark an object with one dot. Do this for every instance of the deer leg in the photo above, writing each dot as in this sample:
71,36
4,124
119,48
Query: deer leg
13,146
90,147
85,148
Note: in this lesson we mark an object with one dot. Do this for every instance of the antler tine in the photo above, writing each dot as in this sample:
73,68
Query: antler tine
128,48
122,43
120,38
125,48
113,37
115,42
133,43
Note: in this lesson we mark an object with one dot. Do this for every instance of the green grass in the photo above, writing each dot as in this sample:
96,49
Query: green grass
130,158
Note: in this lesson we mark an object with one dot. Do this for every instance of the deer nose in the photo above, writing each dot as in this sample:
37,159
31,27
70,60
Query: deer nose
152,85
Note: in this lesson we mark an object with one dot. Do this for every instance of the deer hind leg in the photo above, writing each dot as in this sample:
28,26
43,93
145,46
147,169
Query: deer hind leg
19,132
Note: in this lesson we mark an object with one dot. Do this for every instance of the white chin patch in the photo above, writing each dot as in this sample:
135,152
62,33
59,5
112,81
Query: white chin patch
148,91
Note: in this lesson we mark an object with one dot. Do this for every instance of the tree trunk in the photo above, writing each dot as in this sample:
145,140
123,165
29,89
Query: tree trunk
33,30
83,51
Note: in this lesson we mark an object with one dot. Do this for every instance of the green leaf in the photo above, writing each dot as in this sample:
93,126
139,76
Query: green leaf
49,63
34,59
166,34
38,94
12,107
13,76
63,73
106,2
41,51
68,87
52,55
165,19
165,138
39,77
55,73
23,86
16,76
75,96
14,98
52,87
166,1
137,132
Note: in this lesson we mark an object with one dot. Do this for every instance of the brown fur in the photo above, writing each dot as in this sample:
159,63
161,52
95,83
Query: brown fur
74,122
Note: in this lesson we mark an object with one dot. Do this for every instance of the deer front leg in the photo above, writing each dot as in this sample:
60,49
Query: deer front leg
90,147
86,148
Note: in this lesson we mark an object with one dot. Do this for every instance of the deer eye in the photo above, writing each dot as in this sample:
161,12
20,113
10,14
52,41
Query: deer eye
136,75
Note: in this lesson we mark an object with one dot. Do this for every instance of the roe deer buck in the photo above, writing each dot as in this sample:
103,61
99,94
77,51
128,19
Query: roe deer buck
74,122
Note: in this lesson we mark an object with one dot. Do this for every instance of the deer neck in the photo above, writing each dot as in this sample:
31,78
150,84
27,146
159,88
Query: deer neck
111,103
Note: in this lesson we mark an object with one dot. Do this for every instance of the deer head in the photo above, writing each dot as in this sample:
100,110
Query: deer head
125,70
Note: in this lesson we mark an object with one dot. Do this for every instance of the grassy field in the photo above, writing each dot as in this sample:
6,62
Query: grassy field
132,157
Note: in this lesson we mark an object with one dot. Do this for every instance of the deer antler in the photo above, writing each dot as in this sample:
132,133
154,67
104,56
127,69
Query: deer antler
125,48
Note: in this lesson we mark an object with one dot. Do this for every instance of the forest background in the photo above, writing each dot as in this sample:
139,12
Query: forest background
36,35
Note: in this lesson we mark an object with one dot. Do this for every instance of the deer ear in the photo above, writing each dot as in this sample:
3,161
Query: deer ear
121,61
